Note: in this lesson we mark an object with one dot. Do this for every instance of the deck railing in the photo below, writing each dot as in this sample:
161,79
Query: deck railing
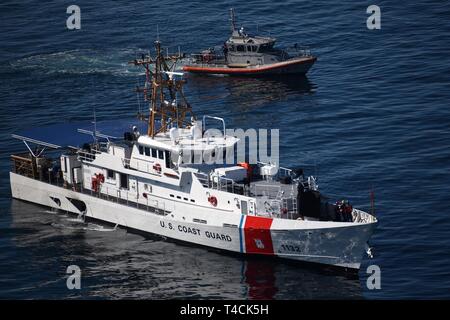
86,156
122,196
117,195
222,184
208,59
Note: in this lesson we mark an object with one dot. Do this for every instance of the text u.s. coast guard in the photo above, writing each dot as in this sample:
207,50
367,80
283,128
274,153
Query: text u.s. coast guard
196,231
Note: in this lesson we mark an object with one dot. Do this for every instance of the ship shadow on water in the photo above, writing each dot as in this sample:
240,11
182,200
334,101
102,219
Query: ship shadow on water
275,279
251,93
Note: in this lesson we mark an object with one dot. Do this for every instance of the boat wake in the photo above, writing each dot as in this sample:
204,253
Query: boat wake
50,211
79,224
81,62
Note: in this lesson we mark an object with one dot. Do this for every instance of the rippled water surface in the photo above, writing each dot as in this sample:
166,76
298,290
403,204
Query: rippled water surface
373,112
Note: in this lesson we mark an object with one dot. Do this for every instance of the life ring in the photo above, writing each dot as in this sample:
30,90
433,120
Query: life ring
157,167
94,184
212,200
96,180
100,178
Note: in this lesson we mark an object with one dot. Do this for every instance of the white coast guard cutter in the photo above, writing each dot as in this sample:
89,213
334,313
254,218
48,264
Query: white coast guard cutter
153,183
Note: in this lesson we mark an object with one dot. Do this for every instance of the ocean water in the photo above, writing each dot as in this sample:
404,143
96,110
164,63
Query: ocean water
372,113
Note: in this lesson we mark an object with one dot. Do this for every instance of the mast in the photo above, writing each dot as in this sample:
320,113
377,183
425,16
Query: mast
161,90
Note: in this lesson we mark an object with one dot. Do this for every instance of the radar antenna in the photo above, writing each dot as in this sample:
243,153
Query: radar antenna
233,20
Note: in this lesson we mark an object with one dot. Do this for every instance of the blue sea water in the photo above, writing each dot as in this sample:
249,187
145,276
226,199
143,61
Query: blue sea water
372,113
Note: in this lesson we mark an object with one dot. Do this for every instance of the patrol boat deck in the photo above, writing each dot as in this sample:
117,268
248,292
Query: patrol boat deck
170,181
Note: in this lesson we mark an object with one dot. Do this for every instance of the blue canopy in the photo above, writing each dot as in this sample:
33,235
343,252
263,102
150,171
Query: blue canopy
75,134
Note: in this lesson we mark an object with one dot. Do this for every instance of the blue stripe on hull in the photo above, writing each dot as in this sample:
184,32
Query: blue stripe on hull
240,234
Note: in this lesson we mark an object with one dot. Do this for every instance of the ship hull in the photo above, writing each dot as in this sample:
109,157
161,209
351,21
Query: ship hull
329,243
295,66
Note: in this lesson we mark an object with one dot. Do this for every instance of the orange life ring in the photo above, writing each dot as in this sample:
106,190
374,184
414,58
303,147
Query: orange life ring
96,180
94,184
100,178
212,200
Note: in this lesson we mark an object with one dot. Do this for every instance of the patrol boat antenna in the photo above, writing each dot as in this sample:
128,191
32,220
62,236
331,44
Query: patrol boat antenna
233,20
161,90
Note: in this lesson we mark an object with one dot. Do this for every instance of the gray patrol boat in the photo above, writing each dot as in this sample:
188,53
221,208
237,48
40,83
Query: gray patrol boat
243,54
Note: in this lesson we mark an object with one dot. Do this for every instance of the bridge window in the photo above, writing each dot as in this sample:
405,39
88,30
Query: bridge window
111,174
147,151
154,153
168,160
141,150
265,47
240,48
160,154
123,181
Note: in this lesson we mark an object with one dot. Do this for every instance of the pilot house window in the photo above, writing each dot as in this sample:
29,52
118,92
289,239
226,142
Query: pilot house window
168,162
111,174
147,152
240,48
123,181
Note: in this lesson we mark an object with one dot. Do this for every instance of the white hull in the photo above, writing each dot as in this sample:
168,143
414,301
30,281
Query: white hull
333,243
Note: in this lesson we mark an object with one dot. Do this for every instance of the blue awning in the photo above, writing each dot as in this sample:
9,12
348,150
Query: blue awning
75,134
